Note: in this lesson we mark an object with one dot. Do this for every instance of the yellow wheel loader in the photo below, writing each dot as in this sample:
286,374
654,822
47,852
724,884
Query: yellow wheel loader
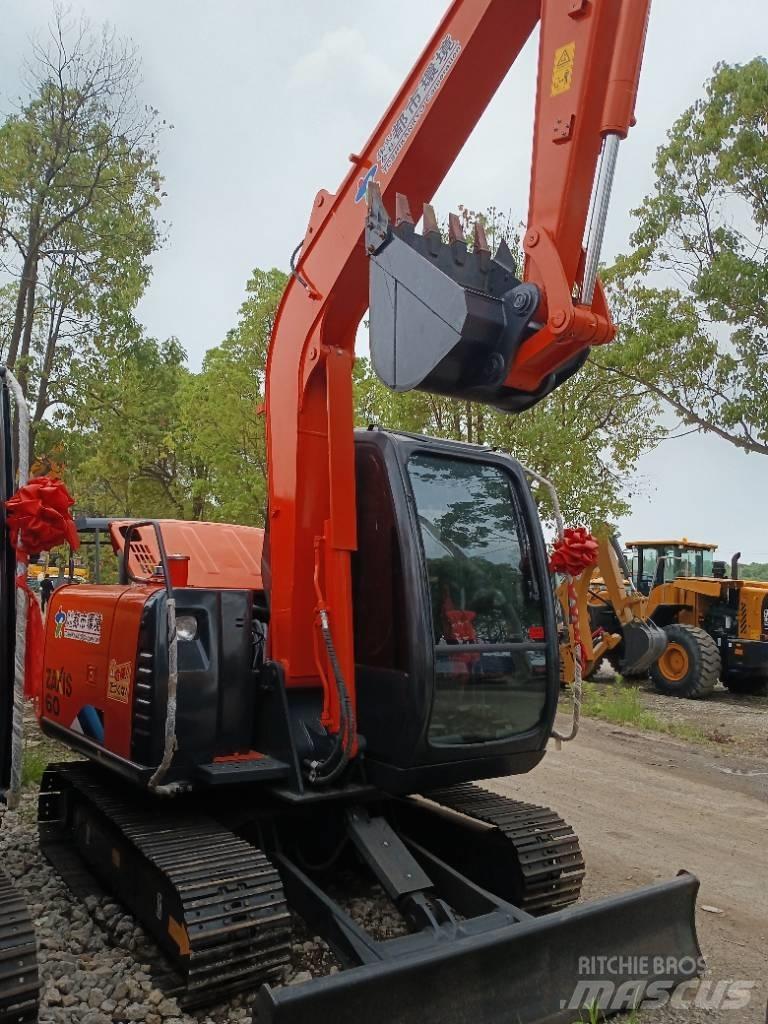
716,625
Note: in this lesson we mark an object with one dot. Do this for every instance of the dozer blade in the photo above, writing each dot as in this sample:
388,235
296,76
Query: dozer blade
611,954
444,318
644,643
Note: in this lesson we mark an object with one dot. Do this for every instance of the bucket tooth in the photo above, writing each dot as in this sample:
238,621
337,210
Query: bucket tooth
455,230
378,225
457,240
403,213
504,258
430,220
479,238
431,230
480,246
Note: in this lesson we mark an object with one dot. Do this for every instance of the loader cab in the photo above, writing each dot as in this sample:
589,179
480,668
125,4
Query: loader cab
455,636
664,561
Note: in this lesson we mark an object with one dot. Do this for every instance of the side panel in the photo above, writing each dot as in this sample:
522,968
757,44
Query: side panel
89,661
753,611
106,671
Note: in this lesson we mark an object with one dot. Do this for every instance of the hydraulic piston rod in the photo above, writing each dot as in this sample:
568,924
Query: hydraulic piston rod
599,217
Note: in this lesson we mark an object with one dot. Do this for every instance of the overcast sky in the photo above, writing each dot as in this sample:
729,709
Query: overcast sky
267,100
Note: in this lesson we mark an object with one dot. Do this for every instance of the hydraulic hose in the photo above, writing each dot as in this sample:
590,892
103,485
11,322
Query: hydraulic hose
322,773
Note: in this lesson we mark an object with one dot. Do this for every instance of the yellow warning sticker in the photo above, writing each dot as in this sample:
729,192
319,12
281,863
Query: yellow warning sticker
562,71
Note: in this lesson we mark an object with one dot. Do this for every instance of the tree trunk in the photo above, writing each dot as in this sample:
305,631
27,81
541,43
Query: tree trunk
28,279
45,374
456,417
18,320
480,425
26,340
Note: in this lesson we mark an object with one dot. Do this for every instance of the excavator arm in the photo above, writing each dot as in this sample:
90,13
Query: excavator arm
589,61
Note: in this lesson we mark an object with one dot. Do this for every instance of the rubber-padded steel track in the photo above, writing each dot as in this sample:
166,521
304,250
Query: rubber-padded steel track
545,848
213,902
18,958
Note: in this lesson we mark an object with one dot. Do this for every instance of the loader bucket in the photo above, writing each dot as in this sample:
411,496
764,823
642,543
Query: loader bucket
644,643
611,954
445,318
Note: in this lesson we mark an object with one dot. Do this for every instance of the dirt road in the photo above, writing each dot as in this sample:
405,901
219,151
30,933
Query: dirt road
645,806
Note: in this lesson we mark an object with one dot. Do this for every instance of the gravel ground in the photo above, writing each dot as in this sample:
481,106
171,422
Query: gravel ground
97,967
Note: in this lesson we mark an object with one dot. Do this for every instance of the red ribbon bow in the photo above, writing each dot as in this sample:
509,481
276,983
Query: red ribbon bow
38,518
575,552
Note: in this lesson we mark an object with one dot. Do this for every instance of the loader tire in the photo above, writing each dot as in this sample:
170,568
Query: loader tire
690,666
754,685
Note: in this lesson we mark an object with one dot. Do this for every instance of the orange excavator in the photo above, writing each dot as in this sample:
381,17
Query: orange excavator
260,713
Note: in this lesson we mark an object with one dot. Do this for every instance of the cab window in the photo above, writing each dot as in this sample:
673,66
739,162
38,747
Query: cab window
487,613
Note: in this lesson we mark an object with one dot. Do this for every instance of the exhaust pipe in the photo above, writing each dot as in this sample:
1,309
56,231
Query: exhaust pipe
735,566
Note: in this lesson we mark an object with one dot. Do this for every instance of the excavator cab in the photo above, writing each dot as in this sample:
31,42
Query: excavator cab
449,550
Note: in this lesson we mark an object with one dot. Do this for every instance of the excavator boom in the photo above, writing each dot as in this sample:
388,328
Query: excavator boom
590,52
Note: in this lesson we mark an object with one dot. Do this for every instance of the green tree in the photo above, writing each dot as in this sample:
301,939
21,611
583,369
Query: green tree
586,437
221,423
692,295
79,188
118,437
753,571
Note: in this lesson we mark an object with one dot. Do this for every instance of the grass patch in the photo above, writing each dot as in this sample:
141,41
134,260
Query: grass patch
596,1016
33,765
623,705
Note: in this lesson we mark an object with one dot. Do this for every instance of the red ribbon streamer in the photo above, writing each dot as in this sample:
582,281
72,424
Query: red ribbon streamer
33,655
576,551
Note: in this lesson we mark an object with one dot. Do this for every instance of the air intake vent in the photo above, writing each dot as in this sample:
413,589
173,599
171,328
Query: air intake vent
143,704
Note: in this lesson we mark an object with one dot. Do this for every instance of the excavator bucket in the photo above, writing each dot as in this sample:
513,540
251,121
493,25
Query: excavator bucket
609,955
644,643
446,318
